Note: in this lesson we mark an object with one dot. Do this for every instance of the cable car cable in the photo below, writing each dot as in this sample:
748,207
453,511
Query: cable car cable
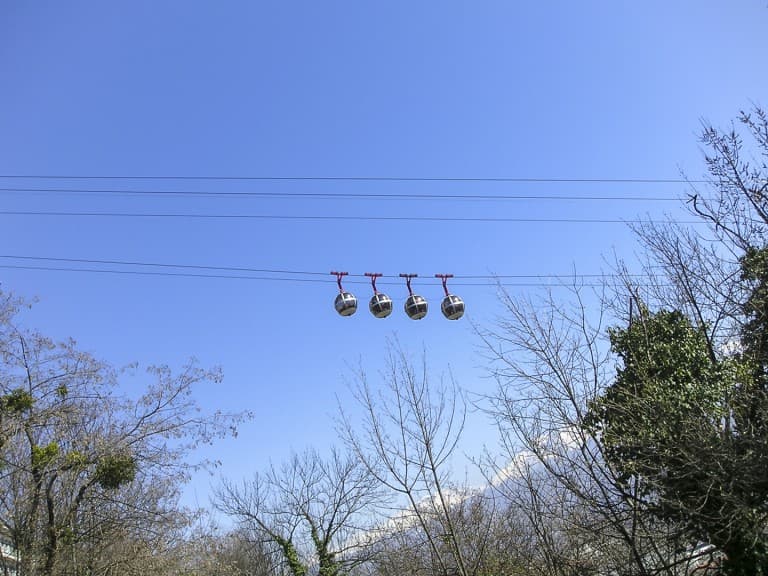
301,272
163,265
342,195
347,218
283,279
537,180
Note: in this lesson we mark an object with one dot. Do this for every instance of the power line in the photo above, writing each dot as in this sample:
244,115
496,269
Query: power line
337,217
534,180
294,275
343,195
163,265
151,273
281,279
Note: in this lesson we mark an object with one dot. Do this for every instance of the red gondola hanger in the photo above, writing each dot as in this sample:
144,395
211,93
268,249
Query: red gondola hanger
345,303
380,304
415,306
452,306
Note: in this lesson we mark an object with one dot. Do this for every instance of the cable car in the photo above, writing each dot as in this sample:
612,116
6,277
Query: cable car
380,304
452,306
415,306
346,302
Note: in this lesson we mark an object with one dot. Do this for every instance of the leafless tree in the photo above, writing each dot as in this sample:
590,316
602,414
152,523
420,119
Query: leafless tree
83,467
406,437
315,511
208,550
552,360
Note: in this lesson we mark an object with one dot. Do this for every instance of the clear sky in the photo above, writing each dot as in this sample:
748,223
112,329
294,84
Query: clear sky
428,90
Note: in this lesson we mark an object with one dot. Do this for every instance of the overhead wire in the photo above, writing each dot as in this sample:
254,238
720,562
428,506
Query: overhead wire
278,279
341,195
335,196
282,275
162,265
174,215
265,178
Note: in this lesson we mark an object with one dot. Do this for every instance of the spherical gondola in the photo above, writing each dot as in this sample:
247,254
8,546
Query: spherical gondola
380,305
452,307
345,303
416,307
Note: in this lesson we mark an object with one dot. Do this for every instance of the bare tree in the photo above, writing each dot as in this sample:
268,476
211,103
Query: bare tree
81,466
210,551
552,360
406,437
658,426
315,511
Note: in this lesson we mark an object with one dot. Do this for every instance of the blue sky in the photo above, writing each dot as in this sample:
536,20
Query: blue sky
498,89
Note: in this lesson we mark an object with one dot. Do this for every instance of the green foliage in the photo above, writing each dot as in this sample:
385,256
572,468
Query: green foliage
754,271
687,427
42,456
67,536
17,401
751,399
668,387
327,565
292,557
115,471
75,459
